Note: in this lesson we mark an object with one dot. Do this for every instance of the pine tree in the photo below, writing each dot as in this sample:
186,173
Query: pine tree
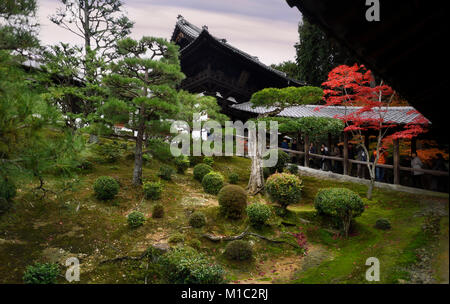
143,81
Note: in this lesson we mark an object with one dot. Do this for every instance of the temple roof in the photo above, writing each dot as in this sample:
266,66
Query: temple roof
191,32
398,115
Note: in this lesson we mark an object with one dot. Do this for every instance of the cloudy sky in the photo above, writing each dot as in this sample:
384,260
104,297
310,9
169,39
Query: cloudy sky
263,28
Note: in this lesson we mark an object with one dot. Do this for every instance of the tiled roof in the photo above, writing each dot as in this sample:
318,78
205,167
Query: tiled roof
193,31
399,115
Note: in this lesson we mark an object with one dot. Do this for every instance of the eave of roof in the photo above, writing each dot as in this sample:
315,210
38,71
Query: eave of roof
398,115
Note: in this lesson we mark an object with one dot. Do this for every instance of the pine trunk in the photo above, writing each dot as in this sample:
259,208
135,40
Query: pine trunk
137,172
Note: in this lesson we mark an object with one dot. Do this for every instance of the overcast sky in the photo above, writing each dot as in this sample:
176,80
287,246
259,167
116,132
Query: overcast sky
263,28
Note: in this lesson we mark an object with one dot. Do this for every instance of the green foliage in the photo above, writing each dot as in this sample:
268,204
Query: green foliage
176,238
339,203
233,178
165,172
284,188
288,67
194,243
201,170
212,182
195,160
292,169
258,214
41,273
86,166
7,193
197,219
208,160
152,190
283,159
232,201
317,55
136,219
266,172
286,97
106,187
107,153
238,250
158,211
182,164
184,265
160,150
383,224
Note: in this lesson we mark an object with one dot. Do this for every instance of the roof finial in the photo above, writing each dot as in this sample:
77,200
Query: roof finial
205,27
180,17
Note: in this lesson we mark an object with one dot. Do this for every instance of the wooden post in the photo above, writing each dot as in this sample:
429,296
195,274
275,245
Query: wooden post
306,150
413,145
345,164
396,162
329,142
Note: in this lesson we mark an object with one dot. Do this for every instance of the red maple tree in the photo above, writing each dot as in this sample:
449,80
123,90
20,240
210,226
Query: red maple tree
366,104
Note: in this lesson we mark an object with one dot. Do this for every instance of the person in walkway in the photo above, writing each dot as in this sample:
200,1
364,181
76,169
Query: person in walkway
336,152
361,168
285,144
324,162
379,171
417,176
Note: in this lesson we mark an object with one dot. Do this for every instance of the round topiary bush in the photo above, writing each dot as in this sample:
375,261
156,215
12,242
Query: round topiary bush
212,182
383,224
258,214
158,211
182,164
208,160
197,220
176,238
238,250
283,159
284,188
41,273
136,219
7,193
201,170
165,172
152,190
293,169
233,178
232,201
340,203
106,187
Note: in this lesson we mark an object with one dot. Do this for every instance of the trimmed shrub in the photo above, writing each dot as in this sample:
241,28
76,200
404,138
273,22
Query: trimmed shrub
238,250
293,169
86,166
152,190
383,224
339,203
41,273
184,265
283,159
233,178
258,214
284,188
7,193
176,238
232,201
136,219
107,153
194,243
212,182
201,170
158,211
208,160
197,220
106,187
165,172
182,164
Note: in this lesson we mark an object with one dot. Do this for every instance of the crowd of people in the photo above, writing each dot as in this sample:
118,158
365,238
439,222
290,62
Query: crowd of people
416,178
